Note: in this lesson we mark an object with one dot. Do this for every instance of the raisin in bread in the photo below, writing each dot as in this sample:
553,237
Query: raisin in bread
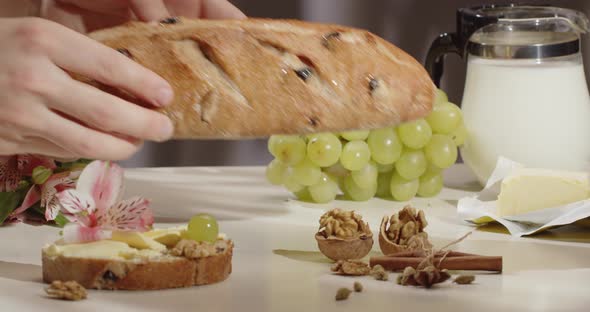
257,77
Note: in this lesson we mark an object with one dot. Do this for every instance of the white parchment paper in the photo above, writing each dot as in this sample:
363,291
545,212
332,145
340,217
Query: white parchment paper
481,209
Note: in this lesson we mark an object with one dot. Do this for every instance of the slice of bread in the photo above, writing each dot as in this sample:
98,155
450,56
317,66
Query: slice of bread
258,77
153,273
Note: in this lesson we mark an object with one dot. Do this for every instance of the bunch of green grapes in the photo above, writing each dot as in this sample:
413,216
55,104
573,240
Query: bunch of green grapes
399,163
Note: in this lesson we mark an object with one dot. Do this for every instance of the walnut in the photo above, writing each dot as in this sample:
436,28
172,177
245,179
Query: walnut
404,231
70,290
464,279
343,235
190,249
351,267
342,294
379,273
357,286
342,224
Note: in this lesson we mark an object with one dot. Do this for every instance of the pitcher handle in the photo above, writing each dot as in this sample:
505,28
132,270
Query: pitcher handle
443,44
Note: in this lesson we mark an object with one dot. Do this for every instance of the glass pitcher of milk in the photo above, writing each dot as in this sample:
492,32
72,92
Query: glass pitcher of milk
526,96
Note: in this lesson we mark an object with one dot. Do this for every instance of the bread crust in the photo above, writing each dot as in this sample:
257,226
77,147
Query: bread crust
258,77
164,273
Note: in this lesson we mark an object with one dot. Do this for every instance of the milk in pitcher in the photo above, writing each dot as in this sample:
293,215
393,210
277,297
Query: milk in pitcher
533,112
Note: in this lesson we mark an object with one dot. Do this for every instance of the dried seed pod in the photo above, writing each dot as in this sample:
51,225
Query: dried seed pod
342,294
379,273
358,287
464,279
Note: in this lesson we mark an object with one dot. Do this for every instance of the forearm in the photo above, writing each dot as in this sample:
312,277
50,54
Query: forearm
20,8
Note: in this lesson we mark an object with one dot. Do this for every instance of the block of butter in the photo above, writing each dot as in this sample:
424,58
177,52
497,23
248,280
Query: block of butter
527,189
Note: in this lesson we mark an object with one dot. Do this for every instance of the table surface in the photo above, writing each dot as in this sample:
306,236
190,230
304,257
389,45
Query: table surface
277,266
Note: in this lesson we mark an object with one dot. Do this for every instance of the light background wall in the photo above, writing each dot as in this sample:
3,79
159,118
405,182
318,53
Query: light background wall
410,24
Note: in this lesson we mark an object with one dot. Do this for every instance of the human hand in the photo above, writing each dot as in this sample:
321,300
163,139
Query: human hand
105,13
44,111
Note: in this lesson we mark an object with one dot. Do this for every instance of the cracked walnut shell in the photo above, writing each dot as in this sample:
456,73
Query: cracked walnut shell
343,235
404,231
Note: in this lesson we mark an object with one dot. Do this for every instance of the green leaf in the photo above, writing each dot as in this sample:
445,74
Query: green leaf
8,202
60,220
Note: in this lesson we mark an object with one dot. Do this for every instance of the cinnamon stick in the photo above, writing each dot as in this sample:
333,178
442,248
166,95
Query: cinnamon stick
458,263
423,254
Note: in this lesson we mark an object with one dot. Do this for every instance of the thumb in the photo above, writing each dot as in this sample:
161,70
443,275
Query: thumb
151,10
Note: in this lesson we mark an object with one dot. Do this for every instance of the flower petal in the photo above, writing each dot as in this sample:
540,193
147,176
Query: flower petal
74,233
56,183
132,214
9,174
52,209
32,197
76,206
103,181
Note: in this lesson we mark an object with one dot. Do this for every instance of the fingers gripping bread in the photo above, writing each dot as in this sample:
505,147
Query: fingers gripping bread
257,77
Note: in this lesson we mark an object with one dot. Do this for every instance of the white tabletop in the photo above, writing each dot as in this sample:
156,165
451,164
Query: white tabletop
277,266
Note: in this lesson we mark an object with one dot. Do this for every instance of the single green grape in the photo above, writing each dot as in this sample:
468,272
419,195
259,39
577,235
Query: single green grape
359,135
384,184
444,118
415,134
203,228
357,193
430,185
367,176
403,189
441,151
412,164
441,97
385,168
306,173
303,195
432,169
275,172
290,150
337,170
355,155
290,183
459,135
325,190
272,144
385,146
324,149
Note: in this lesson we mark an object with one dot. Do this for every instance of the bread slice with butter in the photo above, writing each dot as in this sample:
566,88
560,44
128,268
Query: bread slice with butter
158,259
258,77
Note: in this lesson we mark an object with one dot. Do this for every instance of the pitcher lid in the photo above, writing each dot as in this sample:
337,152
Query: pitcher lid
522,31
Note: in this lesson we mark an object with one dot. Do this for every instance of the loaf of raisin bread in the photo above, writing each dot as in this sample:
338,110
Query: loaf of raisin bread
257,77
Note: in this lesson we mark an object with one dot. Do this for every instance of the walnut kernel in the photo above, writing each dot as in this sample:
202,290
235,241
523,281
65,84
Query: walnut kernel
342,224
351,267
69,290
404,231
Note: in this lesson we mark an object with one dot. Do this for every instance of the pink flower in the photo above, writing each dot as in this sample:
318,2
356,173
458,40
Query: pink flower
14,168
46,193
95,209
